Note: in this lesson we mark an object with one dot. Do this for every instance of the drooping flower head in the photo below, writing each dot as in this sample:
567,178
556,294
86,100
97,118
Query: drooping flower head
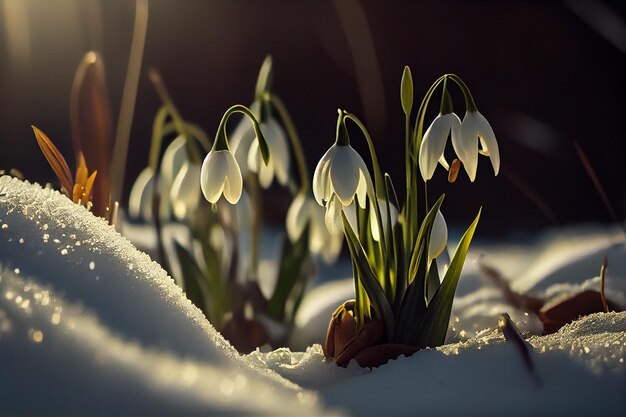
220,173
279,164
305,210
434,143
341,175
475,128
465,136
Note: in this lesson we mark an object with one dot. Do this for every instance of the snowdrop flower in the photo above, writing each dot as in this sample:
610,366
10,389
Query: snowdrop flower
173,158
340,175
305,210
185,191
220,174
279,163
434,143
438,236
140,200
475,128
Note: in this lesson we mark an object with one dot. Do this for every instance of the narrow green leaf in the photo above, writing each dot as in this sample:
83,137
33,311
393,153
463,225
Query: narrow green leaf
406,91
432,281
369,280
289,273
193,279
435,324
264,79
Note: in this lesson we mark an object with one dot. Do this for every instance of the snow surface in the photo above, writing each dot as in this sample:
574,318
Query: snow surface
90,325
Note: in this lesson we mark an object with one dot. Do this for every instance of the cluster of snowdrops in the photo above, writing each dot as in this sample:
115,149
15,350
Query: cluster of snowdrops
404,279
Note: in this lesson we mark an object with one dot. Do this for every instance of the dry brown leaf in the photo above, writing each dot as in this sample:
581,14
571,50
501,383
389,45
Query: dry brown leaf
56,161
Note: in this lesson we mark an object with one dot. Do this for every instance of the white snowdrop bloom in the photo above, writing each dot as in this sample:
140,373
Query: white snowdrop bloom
305,210
475,128
220,174
438,236
279,162
140,199
340,175
173,158
298,215
434,143
185,191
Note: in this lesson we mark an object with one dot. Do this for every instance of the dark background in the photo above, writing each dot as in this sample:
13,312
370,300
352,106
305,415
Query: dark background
545,74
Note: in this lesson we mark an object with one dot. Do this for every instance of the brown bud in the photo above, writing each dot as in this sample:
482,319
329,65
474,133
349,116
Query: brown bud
454,170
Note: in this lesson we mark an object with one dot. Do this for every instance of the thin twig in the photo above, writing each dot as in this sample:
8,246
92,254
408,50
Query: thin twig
599,188
122,135
605,305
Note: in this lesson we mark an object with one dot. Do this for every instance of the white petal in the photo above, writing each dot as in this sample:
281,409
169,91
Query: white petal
434,143
319,231
333,215
438,236
332,248
365,187
233,185
213,175
254,157
296,217
466,144
344,173
321,180
279,149
173,158
140,200
185,192
488,142
266,174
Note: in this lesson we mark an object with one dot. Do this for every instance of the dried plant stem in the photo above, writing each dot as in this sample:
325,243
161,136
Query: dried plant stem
599,188
605,305
129,95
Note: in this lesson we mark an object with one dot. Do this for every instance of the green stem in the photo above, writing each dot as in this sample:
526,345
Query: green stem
378,179
181,126
412,219
296,144
157,137
470,105
221,139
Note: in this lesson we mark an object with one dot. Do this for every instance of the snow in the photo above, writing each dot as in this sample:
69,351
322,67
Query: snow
90,325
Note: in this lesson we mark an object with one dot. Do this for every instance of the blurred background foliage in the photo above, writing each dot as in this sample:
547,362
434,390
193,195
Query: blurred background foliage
545,74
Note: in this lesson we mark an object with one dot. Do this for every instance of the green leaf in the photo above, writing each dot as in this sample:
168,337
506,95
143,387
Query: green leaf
435,324
265,78
406,91
369,280
193,279
432,281
413,304
289,273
